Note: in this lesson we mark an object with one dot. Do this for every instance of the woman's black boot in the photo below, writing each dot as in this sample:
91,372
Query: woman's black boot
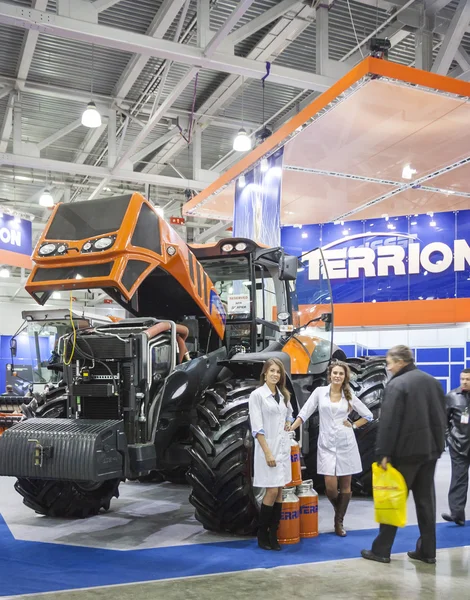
265,516
274,526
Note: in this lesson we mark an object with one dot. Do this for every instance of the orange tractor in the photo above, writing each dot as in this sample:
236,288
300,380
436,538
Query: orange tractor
164,393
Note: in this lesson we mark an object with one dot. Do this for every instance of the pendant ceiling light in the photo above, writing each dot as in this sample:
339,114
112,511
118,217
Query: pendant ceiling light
91,116
46,199
242,143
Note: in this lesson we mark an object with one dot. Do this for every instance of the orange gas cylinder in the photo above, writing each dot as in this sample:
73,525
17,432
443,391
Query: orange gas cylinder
295,460
308,499
289,527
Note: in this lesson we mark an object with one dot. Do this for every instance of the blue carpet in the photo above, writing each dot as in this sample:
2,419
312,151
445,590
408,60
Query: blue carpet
31,567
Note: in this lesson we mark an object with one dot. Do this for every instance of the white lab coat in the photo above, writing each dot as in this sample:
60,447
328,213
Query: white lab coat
338,453
269,417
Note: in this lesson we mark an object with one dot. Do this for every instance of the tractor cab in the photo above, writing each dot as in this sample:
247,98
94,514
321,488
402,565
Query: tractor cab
256,286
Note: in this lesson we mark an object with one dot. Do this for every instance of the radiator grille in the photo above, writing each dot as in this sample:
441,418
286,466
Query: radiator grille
100,408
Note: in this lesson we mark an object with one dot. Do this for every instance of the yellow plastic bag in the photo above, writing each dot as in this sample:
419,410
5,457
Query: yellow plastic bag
390,495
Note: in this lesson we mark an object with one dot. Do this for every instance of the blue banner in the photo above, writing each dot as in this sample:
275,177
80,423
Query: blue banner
257,204
420,257
16,235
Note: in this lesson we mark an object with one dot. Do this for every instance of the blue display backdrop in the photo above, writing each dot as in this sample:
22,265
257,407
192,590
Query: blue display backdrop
257,204
15,235
421,257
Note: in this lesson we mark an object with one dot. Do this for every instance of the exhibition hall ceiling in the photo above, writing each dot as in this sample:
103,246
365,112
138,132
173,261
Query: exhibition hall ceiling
382,146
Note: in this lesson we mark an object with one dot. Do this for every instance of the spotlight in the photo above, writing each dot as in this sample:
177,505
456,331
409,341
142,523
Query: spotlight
4,273
264,165
241,181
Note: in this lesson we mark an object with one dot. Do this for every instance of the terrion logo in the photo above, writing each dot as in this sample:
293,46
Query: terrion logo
388,253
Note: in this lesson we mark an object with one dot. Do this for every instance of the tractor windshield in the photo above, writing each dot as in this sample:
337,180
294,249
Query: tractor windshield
77,221
36,352
232,280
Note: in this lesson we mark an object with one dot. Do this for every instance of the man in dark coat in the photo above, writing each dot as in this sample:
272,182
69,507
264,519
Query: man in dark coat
458,439
411,437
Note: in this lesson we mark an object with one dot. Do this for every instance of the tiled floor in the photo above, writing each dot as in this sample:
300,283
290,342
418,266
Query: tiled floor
148,517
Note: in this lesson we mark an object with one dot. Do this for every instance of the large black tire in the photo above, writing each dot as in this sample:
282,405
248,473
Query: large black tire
222,462
67,499
368,383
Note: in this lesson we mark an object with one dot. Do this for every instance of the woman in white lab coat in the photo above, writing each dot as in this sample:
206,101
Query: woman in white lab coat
338,455
270,416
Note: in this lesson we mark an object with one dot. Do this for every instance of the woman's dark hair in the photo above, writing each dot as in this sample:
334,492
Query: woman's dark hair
345,388
282,379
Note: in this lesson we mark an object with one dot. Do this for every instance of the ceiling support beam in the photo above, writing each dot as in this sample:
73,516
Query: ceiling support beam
89,142
177,90
157,29
59,134
206,235
112,138
76,168
322,39
162,140
129,41
7,125
219,37
197,151
437,5
275,41
424,38
5,91
463,58
393,32
29,44
376,31
452,39
101,5
203,23
270,15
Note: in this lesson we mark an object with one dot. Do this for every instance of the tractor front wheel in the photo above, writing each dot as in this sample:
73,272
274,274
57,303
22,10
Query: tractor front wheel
222,462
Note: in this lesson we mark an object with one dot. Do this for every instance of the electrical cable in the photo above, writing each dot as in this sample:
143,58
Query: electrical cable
67,363
354,29
101,362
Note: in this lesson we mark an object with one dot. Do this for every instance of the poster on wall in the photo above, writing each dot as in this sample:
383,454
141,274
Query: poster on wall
420,257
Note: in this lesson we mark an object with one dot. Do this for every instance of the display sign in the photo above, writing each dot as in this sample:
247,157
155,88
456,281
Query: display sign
238,304
404,258
15,235
177,221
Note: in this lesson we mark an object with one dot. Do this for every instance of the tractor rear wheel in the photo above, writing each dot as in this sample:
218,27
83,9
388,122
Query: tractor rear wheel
68,499
222,461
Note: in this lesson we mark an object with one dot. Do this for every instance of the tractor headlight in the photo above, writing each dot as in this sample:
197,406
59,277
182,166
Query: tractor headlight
103,243
227,248
47,249
99,245
240,246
